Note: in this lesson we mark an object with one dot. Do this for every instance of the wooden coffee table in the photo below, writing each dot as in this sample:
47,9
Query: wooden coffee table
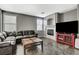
30,42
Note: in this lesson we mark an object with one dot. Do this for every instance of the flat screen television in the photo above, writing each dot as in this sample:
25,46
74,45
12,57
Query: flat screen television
67,27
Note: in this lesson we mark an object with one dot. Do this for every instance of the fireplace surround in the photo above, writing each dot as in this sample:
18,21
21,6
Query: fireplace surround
50,32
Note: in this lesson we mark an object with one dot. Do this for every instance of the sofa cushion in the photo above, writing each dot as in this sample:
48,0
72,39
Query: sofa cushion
10,38
14,33
2,36
19,37
19,33
27,36
26,32
0,40
31,32
5,35
10,34
32,35
13,42
3,44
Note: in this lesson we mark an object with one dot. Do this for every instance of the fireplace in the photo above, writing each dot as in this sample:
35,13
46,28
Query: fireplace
50,32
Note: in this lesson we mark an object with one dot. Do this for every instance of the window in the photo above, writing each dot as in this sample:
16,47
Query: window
9,23
39,24
45,24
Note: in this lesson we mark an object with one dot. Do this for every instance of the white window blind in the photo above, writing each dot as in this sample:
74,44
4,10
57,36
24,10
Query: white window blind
39,24
9,23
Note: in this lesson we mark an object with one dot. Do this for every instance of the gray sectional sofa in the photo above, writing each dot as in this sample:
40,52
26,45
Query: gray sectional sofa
25,34
9,40
7,44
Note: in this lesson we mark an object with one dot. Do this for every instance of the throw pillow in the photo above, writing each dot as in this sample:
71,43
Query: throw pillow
5,35
20,33
32,32
2,38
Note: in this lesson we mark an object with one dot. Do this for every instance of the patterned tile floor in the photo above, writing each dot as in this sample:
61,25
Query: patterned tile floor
50,48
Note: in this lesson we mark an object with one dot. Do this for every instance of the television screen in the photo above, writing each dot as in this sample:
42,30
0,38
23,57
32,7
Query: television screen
67,27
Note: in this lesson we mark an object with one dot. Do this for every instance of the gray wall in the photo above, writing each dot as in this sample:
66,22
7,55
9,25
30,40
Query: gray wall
26,22
78,16
0,20
78,12
68,16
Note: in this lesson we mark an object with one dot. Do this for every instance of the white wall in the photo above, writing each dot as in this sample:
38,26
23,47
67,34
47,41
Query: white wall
52,26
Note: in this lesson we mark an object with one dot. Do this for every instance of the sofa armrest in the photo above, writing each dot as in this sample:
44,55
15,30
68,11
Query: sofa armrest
4,44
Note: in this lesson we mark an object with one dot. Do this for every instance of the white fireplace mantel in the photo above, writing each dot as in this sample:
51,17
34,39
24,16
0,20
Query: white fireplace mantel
50,36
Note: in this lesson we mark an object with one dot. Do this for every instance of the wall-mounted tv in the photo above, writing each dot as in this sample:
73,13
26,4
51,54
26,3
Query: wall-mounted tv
67,27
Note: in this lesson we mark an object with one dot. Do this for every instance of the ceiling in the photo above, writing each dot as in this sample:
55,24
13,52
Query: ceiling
40,10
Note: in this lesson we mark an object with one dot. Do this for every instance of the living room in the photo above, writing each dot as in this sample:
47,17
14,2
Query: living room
34,30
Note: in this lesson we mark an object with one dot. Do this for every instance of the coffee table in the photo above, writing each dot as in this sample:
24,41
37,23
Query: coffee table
31,42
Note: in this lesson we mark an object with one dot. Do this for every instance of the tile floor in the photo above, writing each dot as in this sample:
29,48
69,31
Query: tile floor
50,48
